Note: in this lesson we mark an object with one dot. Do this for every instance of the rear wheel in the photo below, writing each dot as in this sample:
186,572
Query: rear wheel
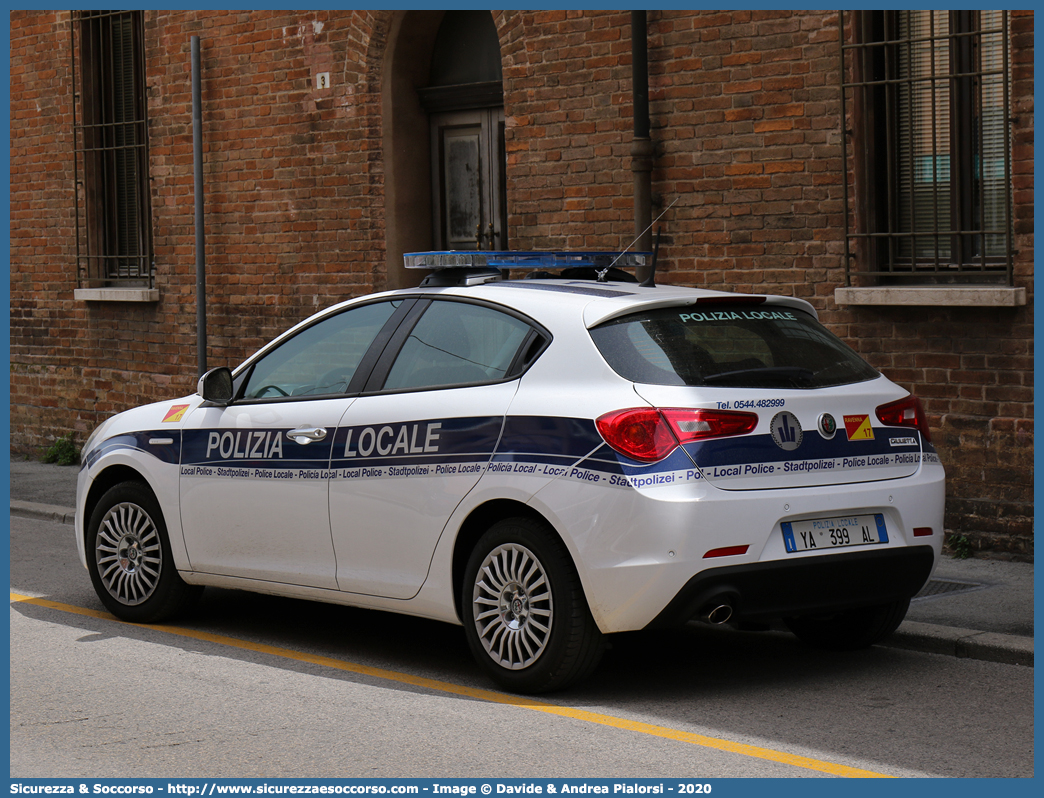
525,614
129,560
851,629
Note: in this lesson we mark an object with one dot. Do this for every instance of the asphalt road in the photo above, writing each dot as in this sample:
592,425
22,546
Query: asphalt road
257,686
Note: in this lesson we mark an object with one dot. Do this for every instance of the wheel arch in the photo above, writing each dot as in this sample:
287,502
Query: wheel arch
478,521
133,570
526,562
106,479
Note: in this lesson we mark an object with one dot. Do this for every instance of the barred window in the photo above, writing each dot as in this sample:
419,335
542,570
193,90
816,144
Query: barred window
110,127
925,98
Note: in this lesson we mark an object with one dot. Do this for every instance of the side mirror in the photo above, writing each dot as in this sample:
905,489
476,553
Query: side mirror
216,386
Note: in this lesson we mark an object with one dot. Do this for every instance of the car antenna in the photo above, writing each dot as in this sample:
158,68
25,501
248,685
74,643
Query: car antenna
602,273
650,281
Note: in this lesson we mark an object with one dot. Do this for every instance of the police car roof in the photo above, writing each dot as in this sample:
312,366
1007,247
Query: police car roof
603,301
478,272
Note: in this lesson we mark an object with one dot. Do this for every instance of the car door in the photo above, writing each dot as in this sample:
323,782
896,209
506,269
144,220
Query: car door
407,453
255,474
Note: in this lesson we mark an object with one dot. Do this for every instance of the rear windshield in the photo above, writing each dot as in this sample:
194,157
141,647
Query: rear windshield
751,346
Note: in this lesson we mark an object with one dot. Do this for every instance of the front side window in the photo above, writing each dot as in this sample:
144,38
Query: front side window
755,346
110,126
926,99
321,359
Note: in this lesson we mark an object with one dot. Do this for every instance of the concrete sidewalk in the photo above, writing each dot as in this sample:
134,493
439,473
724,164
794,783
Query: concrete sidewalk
976,608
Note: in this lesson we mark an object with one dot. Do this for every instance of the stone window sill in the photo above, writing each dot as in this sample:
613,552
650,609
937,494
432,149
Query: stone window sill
938,296
117,294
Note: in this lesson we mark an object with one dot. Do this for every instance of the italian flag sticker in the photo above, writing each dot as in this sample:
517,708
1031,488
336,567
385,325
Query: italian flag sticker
858,428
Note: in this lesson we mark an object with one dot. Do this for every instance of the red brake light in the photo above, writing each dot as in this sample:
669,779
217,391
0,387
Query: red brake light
906,412
647,434
640,433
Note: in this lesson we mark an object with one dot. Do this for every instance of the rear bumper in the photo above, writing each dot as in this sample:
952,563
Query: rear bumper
764,591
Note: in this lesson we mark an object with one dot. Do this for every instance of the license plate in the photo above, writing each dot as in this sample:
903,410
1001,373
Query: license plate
834,533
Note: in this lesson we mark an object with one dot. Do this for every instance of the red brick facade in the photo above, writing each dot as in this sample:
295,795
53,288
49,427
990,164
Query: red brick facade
746,119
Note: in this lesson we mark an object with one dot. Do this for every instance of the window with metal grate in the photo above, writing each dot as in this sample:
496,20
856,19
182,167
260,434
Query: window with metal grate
113,224
925,99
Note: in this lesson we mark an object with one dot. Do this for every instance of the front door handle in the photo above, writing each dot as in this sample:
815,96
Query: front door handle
304,435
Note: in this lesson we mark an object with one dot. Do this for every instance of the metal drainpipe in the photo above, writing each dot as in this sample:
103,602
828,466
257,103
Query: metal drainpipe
201,257
641,146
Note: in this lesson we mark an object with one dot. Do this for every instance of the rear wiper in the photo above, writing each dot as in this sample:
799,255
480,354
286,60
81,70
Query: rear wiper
792,374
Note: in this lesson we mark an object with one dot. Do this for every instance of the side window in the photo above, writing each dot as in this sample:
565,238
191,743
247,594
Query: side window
456,343
322,359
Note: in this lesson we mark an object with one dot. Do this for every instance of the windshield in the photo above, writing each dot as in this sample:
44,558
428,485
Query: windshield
751,346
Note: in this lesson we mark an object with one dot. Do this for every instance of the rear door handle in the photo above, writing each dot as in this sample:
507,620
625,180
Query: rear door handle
304,435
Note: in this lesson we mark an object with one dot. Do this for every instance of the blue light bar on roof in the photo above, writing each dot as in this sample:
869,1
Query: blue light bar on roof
484,259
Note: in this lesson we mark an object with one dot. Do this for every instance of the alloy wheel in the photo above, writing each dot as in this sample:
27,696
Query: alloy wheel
128,553
513,607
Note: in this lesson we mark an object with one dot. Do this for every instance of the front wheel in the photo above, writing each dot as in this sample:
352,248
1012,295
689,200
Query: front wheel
525,614
129,560
851,629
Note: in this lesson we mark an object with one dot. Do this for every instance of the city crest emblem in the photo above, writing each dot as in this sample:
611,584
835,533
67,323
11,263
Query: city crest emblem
786,431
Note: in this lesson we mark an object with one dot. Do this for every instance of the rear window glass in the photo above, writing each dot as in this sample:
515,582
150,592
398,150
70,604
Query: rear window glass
752,346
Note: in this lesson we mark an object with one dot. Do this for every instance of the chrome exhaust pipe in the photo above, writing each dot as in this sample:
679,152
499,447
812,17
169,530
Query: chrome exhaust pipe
716,613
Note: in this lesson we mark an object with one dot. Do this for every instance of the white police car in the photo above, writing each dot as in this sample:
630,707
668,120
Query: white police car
545,461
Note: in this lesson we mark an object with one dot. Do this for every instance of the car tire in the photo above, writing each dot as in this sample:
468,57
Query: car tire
852,629
129,559
524,611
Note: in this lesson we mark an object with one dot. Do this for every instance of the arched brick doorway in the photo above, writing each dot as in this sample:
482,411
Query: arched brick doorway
443,136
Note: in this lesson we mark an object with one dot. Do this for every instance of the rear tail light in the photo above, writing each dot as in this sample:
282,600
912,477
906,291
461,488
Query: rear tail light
648,434
906,412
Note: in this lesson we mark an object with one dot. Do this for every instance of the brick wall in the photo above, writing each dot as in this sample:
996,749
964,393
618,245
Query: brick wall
292,180
567,96
746,120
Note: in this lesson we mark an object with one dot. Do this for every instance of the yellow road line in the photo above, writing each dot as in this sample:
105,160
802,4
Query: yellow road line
664,732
